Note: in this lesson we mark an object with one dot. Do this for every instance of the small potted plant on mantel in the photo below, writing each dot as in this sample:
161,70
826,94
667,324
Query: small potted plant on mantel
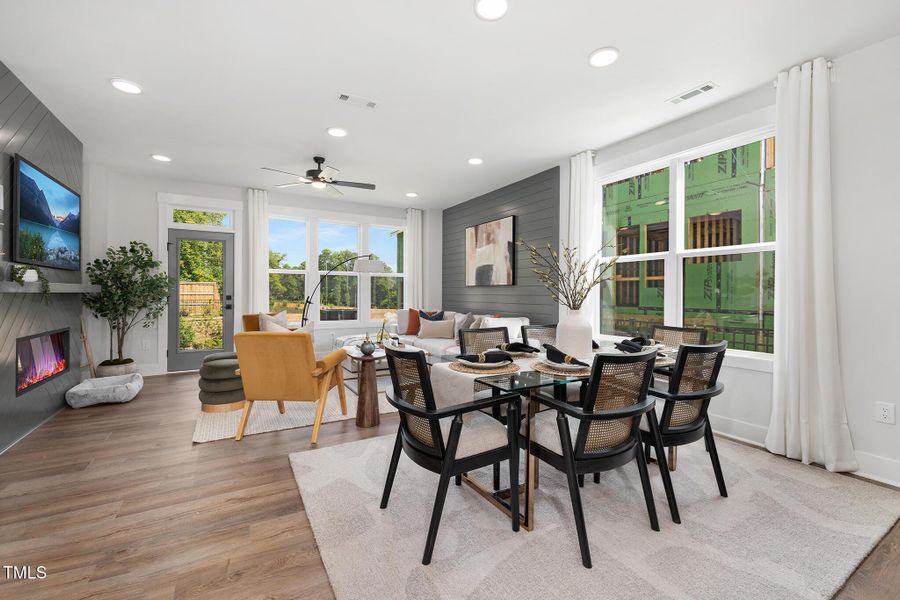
132,292
23,275
570,279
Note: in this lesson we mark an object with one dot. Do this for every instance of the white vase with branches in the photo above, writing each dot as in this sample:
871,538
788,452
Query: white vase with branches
570,279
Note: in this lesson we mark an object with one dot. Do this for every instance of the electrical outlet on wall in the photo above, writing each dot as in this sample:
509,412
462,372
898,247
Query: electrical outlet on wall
885,413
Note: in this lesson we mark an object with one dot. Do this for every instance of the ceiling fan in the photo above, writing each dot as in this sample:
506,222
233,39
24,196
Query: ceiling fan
322,177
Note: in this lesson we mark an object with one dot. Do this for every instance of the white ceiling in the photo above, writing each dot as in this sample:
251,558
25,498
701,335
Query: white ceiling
232,85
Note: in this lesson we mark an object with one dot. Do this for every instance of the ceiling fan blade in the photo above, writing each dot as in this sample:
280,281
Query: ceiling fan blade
280,171
363,186
334,191
328,172
287,185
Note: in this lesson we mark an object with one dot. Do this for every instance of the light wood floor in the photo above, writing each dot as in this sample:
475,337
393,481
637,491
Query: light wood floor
116,502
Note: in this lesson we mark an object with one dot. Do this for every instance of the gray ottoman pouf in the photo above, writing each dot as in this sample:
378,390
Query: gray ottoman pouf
105,390
220,389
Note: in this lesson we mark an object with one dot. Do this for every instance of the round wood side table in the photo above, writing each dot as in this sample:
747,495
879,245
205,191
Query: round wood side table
367,414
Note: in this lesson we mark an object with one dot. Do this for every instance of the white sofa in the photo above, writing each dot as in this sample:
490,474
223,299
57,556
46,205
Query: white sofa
443,346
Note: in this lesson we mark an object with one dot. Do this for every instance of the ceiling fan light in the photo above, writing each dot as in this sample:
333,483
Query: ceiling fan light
319,185
491,10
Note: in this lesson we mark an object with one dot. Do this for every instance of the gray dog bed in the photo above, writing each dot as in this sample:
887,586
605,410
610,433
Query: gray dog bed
105,390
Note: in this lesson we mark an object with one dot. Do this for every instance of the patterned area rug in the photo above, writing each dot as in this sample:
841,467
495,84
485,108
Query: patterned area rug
265,417
786,530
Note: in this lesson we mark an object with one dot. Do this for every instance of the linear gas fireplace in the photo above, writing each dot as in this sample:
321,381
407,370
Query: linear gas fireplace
40,358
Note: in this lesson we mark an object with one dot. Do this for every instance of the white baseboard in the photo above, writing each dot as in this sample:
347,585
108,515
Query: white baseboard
878,468
742,431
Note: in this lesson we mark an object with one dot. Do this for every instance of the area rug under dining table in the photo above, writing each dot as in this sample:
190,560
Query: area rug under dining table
787,530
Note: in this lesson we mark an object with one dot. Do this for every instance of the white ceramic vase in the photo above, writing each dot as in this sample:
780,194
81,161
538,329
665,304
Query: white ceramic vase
30,276
574,335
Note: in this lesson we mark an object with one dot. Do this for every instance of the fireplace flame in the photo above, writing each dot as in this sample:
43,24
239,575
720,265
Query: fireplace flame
39,374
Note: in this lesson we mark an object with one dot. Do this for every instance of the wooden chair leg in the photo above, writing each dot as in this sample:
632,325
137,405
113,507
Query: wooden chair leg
714,457
663,467
648,492
596,477
342,393
458,479
280,406
496,476
512,414
443,483
248,404
581,480
320,411
392,470
566,440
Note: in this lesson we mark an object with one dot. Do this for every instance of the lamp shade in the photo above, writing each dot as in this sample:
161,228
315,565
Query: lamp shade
368,265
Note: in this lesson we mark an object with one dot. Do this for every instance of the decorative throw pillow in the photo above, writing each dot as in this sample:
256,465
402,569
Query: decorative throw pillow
272,326
280,319
402,322
412,326
462,321
436,329
432,315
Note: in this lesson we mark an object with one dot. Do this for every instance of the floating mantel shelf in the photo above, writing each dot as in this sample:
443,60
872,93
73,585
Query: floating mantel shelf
11,287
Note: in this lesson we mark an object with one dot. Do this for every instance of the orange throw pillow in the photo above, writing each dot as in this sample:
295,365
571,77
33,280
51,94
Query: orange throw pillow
414,323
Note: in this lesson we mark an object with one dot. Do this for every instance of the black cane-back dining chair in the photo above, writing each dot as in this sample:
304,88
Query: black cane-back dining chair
476,341
672,337
605,428
682,415
538,335
448,441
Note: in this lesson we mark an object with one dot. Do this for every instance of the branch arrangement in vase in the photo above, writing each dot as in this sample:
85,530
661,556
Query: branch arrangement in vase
567,277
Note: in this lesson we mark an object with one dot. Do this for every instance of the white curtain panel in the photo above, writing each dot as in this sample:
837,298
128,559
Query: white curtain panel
584,223
414,295
809,418
258,240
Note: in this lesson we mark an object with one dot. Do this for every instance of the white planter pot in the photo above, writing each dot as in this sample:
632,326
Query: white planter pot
574,335
111,370
30,276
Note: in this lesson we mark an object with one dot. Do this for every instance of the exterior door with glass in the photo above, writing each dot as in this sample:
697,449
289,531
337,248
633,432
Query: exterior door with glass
201,300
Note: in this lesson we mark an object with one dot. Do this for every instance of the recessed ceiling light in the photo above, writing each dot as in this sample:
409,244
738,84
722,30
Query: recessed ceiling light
337,132
123,85
491,10
475,161
161,158
319,185
411,195
603,57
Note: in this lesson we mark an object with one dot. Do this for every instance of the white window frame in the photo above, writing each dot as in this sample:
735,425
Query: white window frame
313,218
673,299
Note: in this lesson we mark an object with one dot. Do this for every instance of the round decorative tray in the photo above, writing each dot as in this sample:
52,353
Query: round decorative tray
548,370
504,370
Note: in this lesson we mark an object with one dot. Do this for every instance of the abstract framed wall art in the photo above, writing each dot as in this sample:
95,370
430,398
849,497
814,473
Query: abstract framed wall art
491,253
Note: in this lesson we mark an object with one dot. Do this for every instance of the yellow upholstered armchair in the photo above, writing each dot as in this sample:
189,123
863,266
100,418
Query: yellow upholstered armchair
282,367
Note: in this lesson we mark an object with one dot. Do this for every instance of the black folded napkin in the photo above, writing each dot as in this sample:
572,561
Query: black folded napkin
556,355
486,357
629,346
643,341
517,347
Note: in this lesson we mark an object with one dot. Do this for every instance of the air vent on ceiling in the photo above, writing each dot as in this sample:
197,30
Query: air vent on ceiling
357,101
700,89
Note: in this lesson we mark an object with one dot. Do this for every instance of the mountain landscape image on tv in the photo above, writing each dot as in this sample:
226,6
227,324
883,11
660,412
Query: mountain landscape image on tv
48,220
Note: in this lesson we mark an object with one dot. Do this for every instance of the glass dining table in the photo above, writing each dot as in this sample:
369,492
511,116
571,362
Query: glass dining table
529,385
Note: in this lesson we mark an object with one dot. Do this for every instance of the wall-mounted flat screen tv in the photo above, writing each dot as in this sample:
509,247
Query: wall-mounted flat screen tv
46,219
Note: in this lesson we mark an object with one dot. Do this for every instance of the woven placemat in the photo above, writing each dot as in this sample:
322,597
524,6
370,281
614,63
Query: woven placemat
547,370
506,370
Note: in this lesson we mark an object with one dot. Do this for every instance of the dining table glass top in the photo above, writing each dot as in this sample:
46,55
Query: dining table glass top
524,381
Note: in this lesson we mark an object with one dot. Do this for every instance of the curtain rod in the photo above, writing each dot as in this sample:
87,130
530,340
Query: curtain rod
829,64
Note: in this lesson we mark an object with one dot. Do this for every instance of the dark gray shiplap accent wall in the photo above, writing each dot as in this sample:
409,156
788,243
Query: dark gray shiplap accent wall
535,204
28,128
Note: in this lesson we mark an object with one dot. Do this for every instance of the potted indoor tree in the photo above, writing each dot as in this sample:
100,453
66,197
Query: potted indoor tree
133,292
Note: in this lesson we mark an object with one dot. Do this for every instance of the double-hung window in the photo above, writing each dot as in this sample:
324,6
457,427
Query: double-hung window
695,239
287,266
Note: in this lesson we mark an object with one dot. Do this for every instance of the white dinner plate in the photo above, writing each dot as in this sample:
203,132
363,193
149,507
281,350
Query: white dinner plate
480,365
563,366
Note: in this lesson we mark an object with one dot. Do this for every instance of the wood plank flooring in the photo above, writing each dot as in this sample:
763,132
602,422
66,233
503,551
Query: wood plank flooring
116,502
